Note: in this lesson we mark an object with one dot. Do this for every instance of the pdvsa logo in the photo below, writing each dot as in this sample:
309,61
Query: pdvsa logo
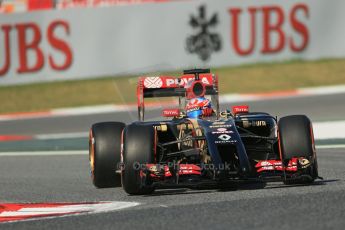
184,81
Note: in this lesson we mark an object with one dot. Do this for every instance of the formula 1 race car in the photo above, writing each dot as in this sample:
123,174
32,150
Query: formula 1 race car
196,145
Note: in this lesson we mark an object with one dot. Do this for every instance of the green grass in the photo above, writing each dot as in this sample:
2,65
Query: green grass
241,79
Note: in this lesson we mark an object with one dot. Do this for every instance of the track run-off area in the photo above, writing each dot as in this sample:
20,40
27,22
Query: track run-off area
47,177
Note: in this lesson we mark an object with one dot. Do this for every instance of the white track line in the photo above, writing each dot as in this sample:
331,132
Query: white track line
61,136
323,90
335,146
97,109
329,130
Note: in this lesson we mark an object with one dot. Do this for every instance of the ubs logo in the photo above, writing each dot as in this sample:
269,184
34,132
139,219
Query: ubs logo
203,42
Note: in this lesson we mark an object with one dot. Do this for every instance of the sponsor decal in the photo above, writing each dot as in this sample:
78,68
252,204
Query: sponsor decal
239,31
174,82
153,82
304,163
218,132
224,137
196,104
221,131
218,123
296,17
31,38
247,123
240,109
170,112
204,42
220,126
226,142
276,165
259,123
188,110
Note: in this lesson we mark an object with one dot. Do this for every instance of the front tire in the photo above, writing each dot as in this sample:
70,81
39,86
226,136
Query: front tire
138,150
104,153
296,139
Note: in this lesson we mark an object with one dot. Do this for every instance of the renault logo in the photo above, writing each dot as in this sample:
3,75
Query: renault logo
224,137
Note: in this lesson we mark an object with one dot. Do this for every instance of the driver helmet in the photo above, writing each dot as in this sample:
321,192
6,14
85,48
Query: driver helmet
195,106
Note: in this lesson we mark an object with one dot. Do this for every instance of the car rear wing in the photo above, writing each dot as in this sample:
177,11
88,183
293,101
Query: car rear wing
168,86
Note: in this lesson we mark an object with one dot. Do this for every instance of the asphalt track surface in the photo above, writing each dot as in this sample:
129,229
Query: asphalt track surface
65,178
276,206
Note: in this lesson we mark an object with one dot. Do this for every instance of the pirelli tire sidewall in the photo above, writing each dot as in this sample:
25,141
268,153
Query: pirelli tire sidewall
138,150
105,153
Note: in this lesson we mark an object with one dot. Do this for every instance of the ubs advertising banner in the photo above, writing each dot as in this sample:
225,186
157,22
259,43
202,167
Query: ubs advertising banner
120,40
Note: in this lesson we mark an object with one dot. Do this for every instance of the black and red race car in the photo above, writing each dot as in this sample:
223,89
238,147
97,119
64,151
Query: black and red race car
198,145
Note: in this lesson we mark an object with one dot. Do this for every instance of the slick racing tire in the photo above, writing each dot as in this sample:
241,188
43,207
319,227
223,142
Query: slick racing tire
296,139
138,149
105,153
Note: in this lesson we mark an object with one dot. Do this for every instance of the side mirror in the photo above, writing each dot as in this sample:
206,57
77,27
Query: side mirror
240,109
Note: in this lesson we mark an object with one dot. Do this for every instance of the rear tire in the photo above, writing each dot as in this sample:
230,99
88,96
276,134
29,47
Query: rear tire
296,139
138,149
105,153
